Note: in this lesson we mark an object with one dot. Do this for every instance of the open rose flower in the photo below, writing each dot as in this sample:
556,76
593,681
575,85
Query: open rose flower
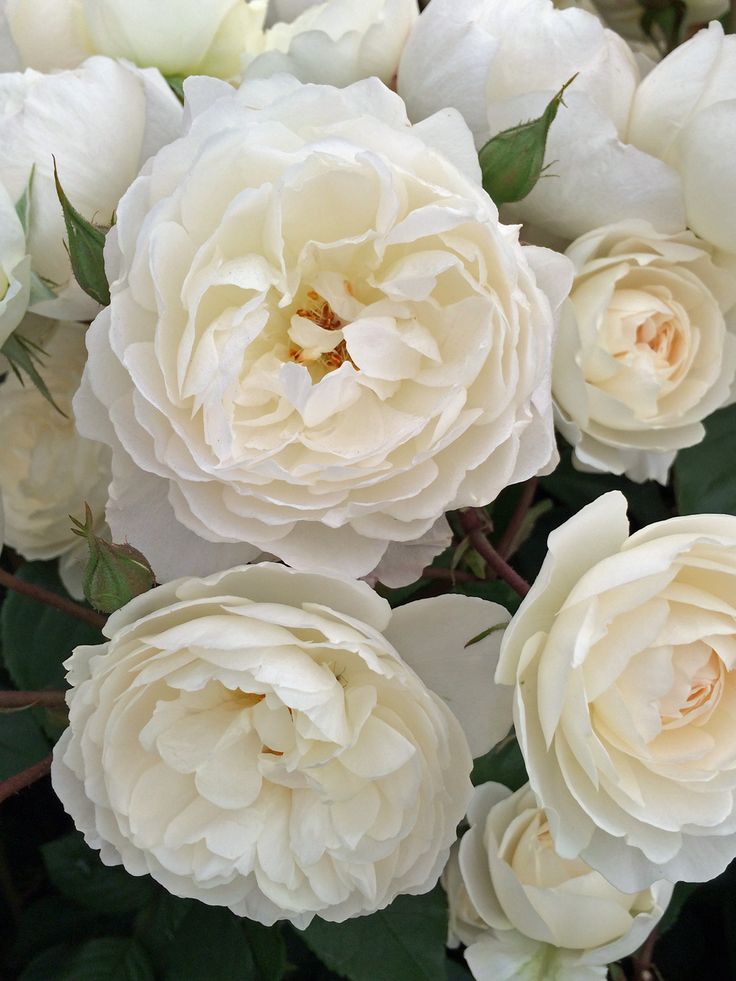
47,470
507,885
259,740
646,348
622,657
320,337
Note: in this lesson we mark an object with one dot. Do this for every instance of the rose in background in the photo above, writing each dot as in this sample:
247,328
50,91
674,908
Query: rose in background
15,268
500,63
339,41
622,659
646,348
101,122
320,337
47,470
684,112
260,740
522,910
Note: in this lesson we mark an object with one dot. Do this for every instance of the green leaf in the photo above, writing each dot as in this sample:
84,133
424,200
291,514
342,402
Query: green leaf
78,873
210,944
268,949
504,764
705,475
176,84
406,940
51,920
22,743
512,161
23,356
86,246
111,959
40,290
23,204
683,892
36,639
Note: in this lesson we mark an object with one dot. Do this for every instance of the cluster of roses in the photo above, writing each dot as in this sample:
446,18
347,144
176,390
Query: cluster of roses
319,339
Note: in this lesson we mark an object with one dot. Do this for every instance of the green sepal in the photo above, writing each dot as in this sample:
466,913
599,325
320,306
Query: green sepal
115,573
23,356
512,161
86,246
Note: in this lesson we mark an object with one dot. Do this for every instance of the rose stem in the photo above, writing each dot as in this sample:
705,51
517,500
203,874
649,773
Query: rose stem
452,575
31,699
51,599
505,545
473,521
25,778
643,959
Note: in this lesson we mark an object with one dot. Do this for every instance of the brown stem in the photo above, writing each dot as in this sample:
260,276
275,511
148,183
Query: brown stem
451,575
505,545
29,699
50,598
473,523
643,959
25,778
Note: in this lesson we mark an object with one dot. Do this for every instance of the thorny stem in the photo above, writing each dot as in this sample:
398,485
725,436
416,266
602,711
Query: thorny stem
473,522
31,699
49,598
505,546
25,778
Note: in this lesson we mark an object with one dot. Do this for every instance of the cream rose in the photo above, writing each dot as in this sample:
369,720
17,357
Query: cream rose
47,470
101,122
506,876
622,657
685,113
500,63
646,348
320,337
15,268
259,740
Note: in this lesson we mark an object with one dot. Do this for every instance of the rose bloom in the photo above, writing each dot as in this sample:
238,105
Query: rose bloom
499,63
506,878
15,268
101,122
646,348
339,41
260,740
320,337
685,113
47,470
621,656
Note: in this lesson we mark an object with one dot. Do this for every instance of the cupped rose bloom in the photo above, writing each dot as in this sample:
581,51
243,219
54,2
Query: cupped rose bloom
505,876
101,122
320,337
337,42
15,268
622,658
260,740
47,470
646,348
500,63
685,113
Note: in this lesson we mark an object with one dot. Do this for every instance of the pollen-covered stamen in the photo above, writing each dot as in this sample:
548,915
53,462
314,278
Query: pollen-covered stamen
308,350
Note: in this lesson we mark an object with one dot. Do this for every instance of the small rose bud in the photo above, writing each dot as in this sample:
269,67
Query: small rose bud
114,573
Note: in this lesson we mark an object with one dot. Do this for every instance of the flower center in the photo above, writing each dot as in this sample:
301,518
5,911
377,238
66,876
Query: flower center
316,334
704,693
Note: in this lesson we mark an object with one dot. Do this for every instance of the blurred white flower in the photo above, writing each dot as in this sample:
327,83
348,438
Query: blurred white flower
622,659
320,337
260,740
646,348
15,268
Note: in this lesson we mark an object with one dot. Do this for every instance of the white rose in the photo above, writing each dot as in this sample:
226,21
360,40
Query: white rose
506,877
685,112
644,352
179,37
622,657
259,740
337,42
15,268
47,470
320,337
101,122
500,63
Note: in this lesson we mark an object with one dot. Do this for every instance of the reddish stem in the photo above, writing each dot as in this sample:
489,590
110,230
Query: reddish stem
473,522
643,959
49,598
451,575
31,699
505,545
25,778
